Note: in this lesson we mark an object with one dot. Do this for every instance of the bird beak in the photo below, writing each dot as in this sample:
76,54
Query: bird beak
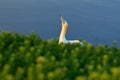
61,19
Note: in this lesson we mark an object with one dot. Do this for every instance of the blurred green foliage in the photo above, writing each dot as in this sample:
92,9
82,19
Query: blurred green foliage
27,57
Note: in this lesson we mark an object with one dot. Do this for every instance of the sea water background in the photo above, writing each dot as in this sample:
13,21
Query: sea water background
96,21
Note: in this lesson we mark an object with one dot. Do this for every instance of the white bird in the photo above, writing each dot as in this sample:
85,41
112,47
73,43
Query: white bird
62,38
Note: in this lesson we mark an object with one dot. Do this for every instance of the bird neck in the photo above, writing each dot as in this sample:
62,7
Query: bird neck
63,32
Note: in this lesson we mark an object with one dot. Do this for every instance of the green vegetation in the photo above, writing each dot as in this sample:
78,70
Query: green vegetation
27,57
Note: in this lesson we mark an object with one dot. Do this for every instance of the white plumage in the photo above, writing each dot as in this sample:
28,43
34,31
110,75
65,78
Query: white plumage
62,38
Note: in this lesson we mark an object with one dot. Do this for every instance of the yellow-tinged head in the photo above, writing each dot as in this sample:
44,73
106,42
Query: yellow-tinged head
64,23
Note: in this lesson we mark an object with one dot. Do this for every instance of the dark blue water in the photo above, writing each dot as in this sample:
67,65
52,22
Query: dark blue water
96,21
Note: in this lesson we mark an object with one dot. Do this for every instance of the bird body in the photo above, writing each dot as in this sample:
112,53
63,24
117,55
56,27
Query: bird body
62,38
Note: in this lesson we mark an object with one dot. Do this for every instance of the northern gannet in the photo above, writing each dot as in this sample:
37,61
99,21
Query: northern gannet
62,38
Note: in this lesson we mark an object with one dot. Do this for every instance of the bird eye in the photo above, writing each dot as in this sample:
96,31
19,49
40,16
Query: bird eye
64,22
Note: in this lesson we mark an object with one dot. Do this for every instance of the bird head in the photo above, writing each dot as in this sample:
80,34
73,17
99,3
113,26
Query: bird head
64,23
